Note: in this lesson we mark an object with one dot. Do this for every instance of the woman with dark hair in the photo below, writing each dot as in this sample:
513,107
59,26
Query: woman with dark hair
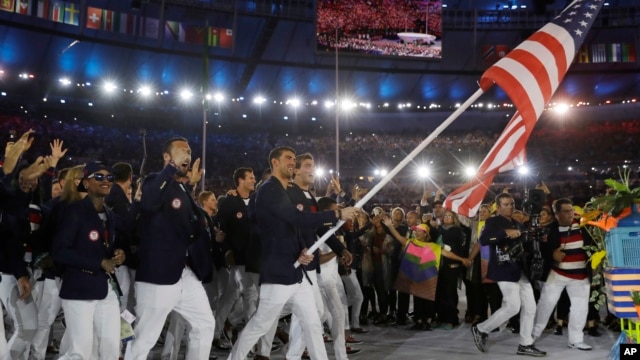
454,260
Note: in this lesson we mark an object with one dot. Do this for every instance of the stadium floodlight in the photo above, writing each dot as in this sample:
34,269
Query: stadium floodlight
319,172
145,90
64,81
259,100
561,108
523,170
186,94
109,86
295,102
423,172
218,97
470,171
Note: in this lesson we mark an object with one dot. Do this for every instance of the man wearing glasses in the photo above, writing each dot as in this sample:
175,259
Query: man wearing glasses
501,232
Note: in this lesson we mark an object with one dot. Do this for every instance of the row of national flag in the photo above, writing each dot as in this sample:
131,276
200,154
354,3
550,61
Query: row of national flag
59,11
124,23
607,53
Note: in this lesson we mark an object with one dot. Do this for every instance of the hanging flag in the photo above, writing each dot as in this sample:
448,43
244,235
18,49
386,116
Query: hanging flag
94,18
7,5
57,11
628,53
226,38
196,34
128,24
43,9
23,7
529,74
108,20
598,53
615,55
173,30
71,14
583,54
492,53
151,28
213,38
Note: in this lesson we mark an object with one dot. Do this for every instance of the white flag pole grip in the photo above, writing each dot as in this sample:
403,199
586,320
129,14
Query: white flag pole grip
371,193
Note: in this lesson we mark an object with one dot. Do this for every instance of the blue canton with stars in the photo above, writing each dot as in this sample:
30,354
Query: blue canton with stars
577,19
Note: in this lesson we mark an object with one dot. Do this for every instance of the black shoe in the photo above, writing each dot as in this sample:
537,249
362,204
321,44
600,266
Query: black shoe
480,338
593,331
558,330
530,350
427,327
417,326
351,351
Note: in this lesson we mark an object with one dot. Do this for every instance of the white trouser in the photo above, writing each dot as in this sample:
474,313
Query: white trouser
175,332
124,280
155,302
516,296
247,288
48,303
230,294
578,291
89,321
24,315
296,343
273,298
329,284
354,298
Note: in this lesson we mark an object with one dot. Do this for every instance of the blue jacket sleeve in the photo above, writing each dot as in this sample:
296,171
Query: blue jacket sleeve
153,188
493,233
64,249
276,202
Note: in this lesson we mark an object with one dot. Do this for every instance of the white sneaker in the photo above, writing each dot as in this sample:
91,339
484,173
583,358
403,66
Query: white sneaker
580,346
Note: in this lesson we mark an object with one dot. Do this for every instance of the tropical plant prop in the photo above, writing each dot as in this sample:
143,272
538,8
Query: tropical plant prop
635,297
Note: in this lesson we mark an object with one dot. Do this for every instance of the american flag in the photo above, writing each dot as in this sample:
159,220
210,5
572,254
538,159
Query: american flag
529,74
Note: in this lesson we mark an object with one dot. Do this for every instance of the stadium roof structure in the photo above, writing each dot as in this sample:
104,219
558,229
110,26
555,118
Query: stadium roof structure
270,51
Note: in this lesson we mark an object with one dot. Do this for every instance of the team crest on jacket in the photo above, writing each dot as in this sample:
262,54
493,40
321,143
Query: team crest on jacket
300,207
239,215
93,235
176,203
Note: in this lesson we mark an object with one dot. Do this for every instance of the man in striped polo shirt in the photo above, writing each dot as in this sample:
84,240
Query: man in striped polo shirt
564,251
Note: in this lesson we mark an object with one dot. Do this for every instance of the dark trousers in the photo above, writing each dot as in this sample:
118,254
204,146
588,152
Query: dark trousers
447,295
423,309
381,291
403,306
477,302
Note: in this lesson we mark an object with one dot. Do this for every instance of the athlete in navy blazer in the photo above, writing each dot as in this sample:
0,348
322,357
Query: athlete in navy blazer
173,256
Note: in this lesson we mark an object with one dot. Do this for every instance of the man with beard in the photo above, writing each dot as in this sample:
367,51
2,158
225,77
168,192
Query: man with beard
173,256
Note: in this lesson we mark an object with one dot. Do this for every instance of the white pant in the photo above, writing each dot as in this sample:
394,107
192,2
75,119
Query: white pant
516,296
24,315
48,303
155,302
175,332
329,284
273,298
578,291
89,321
296,343
354,298
247,288
124,280
228,294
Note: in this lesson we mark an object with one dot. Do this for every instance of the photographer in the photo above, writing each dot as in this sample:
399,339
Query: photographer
502,233
564,250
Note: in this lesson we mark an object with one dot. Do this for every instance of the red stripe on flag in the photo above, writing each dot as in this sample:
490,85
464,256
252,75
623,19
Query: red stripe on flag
556,48
535,66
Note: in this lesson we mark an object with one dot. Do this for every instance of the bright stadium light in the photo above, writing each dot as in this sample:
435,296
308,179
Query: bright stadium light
319,172
185,94
145,90
259,100
110,86
523,170
218,97
470,171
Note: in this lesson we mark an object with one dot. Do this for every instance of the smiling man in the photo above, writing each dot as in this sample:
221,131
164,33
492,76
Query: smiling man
279,222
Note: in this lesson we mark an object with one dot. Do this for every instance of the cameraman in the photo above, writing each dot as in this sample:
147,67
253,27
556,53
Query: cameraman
564,250
502,233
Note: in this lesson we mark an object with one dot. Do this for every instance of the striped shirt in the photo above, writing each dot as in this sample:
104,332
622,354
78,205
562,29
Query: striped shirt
575,261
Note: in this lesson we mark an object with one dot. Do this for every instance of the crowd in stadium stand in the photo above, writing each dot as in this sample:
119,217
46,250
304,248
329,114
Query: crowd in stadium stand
550,152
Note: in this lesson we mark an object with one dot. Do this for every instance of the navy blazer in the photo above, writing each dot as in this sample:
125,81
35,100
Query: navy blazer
234,222
171,230
279,222
310,235
80,244
494,235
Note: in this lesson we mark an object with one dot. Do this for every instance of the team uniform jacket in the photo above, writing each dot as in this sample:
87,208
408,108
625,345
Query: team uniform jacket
234,222
494,235
310,235
279,222
80,244
172,231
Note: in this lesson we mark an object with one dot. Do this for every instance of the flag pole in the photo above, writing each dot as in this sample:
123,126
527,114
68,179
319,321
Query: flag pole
398,168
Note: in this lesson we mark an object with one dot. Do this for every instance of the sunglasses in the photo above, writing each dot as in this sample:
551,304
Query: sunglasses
101,176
